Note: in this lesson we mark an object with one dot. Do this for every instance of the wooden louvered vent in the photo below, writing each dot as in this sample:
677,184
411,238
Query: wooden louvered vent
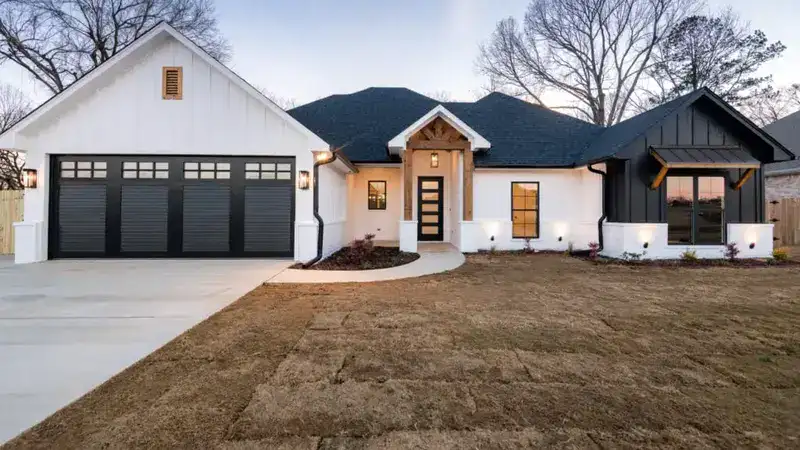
172,83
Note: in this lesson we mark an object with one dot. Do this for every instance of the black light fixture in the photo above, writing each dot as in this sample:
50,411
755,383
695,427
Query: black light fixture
560,238
752,245
304,182
434,160
646,244
30,178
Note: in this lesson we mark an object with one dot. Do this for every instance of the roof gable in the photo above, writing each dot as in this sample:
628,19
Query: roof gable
398,143
119,62
615,138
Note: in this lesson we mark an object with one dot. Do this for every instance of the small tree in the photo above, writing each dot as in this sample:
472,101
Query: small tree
719,52
14,105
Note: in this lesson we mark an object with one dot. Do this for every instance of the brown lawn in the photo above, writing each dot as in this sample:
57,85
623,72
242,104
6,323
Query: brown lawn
509,351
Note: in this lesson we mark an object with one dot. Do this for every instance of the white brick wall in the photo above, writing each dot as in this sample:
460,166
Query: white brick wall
783,186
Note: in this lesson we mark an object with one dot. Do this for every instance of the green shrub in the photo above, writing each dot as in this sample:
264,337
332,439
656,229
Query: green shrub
781,254
689,256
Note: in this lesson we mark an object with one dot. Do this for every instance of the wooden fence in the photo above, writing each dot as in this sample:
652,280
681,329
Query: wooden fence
10,212
785,214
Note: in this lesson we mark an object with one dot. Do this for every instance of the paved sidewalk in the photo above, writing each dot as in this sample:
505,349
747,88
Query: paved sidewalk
434,258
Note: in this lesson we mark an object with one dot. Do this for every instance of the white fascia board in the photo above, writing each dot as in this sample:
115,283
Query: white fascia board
398,143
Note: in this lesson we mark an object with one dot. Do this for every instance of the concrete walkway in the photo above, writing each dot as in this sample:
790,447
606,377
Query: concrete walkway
433,258
67,326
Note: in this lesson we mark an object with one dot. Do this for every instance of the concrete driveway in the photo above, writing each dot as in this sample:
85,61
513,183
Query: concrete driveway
67,326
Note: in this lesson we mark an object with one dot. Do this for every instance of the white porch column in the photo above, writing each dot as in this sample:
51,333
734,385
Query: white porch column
408,226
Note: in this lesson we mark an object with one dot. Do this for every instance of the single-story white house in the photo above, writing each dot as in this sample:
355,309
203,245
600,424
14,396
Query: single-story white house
164,152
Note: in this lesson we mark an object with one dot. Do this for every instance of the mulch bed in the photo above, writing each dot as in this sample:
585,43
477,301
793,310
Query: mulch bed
699,263
378,258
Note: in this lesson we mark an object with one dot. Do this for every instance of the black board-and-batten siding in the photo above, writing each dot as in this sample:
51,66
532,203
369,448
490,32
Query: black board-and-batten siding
629,197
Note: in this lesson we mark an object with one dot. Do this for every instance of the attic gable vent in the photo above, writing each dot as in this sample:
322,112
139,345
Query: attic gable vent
172,83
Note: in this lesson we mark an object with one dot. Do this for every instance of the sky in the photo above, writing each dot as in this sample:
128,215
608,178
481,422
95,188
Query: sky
308,49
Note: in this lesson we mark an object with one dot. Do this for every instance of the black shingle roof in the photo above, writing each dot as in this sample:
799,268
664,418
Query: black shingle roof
521,134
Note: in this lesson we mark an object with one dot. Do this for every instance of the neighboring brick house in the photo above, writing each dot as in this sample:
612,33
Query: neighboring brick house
783,178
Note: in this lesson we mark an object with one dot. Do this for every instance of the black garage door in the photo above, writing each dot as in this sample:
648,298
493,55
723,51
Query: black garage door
153,206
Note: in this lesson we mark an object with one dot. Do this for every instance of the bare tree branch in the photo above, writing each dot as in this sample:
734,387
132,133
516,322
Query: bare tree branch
596,51
14,105
773,105
285,103
58,41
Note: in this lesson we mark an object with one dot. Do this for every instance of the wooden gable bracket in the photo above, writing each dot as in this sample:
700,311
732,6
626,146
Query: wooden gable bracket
659,178
743,179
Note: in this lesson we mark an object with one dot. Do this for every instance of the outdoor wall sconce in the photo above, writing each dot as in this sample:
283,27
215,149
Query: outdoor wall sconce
752,245
491,238
434,160
560,238
304,182
646,244
30,178
323,156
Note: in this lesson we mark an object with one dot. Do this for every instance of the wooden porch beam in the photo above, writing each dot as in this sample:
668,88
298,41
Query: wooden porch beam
659,178
469,169
438,144
745,176
408,183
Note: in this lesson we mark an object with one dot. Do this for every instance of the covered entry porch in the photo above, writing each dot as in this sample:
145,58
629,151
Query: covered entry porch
436,179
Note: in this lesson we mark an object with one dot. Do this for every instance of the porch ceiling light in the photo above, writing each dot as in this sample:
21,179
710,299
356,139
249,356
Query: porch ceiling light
304,181
434,160
30,178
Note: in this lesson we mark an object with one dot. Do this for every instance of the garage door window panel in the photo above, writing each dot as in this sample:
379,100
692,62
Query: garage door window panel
206,171
267,171
84,169
145,170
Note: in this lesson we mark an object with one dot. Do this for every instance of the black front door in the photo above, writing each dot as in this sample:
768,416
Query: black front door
430,201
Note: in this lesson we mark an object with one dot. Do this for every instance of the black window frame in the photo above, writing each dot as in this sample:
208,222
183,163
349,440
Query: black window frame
697,208
373,205
537,233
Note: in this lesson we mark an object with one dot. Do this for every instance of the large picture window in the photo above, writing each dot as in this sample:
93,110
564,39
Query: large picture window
525,209
696,210
376,195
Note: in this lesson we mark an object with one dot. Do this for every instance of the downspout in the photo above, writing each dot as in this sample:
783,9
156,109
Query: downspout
320,222
603,217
